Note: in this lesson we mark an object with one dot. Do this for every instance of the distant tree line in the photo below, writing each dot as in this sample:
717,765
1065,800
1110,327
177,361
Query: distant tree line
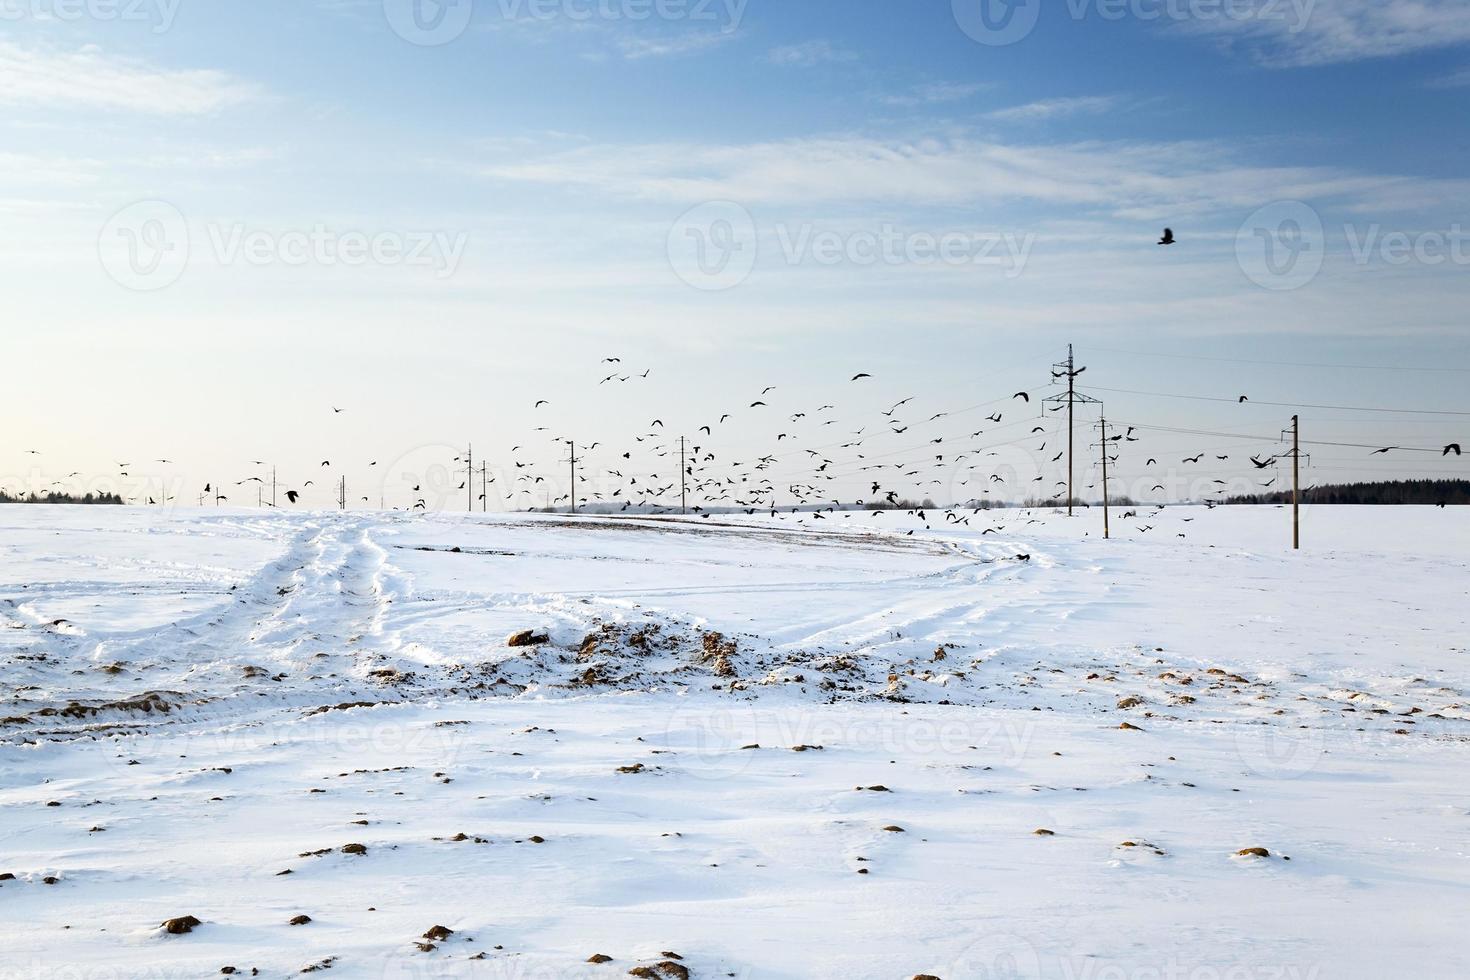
60,498
1380,492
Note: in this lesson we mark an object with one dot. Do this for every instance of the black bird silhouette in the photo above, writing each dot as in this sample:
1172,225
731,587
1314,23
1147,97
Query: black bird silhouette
857,376
1453,447
1168,238
1022,395
1243,400
1195,459
291,495
1383,451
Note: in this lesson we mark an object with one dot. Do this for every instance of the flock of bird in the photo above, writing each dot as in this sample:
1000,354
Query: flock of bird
904,457
810,475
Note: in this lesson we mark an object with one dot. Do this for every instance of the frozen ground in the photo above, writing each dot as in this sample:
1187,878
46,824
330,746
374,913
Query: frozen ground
196,702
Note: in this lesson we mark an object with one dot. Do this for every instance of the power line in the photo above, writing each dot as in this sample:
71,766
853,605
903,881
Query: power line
1336,408
1297,364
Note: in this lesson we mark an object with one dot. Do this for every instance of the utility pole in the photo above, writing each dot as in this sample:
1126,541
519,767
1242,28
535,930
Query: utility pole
1296,480
1068,369
1103,423
571,445
683,486
342,494
484,487
273,487
469,477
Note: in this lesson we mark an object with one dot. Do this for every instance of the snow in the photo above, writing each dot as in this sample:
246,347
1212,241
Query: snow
320,670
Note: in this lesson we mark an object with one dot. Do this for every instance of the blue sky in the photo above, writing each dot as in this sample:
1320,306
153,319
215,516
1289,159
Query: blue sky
532,171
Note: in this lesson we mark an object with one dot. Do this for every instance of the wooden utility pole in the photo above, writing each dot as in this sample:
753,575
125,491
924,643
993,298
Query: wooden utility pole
1068,369
273,487
683,485
1296,482
1104,424
342,494
469,477
571,445
484,487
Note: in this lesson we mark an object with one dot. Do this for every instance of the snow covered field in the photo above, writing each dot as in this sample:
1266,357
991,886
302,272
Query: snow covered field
778,749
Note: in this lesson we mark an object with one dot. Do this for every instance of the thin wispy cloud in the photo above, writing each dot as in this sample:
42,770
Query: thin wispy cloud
809,54
1299,33
634,48
1137,181
1055,108
89,77
935,93
1455,79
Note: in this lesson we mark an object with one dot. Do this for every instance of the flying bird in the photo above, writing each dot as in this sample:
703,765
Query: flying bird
1022,395
855,377
1453,447
1168,238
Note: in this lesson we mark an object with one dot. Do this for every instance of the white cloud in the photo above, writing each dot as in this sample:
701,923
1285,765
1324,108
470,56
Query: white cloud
936,93
808,54
1132,181
1290,33
90,78
634,48
1455,79
1055,108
